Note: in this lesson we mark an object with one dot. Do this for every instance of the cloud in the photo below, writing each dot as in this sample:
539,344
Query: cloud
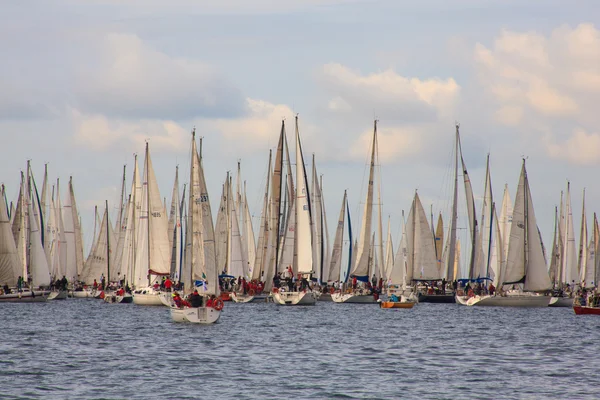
389,93
580,148
101,133
393,143
127,78
542,75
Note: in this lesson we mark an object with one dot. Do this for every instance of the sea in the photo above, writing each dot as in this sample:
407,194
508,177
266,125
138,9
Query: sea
89,349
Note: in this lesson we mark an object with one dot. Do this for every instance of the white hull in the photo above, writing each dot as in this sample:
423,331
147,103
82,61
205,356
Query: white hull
353,298
147,297
57,295
241,298
561,302
510,301
166,298
26,296
198,315
84,294
113,298
462,300
295,298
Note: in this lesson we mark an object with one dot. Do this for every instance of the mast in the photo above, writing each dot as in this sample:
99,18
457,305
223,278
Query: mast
107,245
526,219
454,217
148,209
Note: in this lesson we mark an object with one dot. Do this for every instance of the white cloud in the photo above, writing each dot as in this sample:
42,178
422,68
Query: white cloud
128,78
101,133
580,148
390,93
393,144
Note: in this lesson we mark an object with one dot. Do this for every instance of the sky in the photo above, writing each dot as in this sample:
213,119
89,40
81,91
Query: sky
84,84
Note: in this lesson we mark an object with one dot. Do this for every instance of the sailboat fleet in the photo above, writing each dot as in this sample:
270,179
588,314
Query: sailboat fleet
148,255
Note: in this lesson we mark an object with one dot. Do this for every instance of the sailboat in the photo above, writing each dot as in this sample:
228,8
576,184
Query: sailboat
525,264
199,267
303,238
153,254
364,266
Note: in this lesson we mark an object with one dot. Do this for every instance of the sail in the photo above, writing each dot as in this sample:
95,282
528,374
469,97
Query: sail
194,262
338,243
554,269
422,264
439,241
303,214
249,242
474,264
317,223
326,242
76,229
361,268
450,251
263,235
288,245
120,232
153,255
210,267
398,273
19,227
389,253
10,265
525,262
236,262
38,263
51,242
570,273
487,232
221,232
505,221
98,262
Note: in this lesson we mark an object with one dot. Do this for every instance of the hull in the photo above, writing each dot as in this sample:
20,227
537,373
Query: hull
199,315
461,300
166,299
396,304
57,295
325,297
509,301
295,298
113,298
147,297
241,298
84,294
582,310
37,296
437,298
561,302
353,298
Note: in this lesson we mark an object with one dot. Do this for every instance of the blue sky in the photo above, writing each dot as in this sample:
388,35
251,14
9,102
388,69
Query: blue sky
84,83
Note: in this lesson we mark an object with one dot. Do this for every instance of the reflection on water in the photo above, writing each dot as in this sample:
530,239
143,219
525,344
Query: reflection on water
80,348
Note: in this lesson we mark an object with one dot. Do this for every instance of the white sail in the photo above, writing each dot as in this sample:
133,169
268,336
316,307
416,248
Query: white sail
221,231
153,255
361,268
98,262
570,273
10,265
422,263
338,243
263,234
210,267
525,262
303,216
389,253
288,245
317,223
38,263
326,242
19,227
240,208
487,232
397,275
505,221
120,232
249,242
236,262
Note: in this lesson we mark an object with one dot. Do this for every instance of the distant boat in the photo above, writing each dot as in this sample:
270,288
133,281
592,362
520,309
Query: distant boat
198,271
525,264
304,252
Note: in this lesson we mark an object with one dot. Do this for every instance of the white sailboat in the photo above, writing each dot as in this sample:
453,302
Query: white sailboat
362,265
196,271
304,251
525,264
153,255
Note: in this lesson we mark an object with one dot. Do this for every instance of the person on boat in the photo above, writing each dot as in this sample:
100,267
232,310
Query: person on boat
121,292
179,302
492,289
210,302
168,284
444,282
19,283
374,281
354,282
195,299
393,297
64,282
